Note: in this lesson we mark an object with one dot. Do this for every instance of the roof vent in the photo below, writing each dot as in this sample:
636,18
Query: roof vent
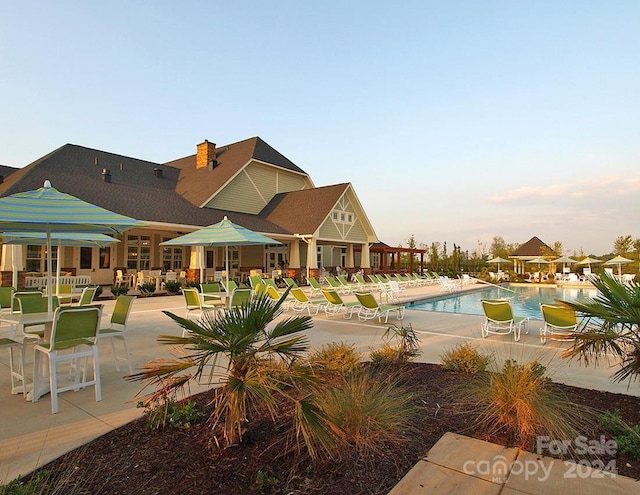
121,166
1,179
95,161
106,175
213,164
157,172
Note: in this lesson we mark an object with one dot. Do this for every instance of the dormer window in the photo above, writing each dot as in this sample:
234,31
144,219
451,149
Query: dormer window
340,216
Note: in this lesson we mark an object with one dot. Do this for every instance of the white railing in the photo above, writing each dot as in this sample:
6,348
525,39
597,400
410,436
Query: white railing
73,280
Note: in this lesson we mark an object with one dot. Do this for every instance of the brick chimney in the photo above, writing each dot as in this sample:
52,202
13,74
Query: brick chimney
206,153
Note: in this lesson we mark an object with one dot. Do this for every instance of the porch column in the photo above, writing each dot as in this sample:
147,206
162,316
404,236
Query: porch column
294,254
312,257
349,257
365,260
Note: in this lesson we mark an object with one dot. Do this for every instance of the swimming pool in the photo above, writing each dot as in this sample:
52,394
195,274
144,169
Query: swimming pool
525,300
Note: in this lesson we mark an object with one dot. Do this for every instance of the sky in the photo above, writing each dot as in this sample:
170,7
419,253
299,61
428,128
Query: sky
454,121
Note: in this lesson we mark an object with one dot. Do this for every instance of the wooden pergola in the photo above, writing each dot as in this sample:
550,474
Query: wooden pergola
390,256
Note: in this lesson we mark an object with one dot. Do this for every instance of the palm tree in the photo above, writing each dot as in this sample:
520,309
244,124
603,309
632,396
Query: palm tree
238,347
611,325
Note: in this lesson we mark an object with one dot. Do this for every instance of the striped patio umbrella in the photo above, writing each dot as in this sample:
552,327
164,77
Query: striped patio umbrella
51,211
222,234
57,238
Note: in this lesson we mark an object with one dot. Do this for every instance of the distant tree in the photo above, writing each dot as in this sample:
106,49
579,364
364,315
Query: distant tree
411,242
556,250
623,245
445,257
434,255
498,248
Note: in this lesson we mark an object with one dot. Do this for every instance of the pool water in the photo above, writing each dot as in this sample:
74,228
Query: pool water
524,300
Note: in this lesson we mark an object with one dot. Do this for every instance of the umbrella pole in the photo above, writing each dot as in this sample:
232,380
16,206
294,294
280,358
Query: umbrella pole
201,256
226,266
14,267
49,269
58,270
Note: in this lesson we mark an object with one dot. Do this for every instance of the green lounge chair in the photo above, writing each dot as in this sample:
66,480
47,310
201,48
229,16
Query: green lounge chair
499,319
560,322
316,288
302,302
255,280
370,308
335,304
347,287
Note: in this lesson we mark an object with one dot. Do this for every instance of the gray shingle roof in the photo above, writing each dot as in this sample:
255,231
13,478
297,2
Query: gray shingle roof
136,191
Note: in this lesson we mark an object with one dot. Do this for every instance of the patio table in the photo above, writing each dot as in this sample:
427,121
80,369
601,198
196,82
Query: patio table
20,320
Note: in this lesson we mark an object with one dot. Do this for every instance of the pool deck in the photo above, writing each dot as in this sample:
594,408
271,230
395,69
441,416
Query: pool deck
31,436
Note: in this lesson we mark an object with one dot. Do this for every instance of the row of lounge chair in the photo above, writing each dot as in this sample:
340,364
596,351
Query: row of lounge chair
366,306
560,322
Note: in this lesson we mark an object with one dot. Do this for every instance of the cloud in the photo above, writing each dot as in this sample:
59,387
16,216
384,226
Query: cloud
592,188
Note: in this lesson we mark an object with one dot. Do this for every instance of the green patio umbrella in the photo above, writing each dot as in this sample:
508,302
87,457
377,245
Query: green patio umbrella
59,239
51,211
222,234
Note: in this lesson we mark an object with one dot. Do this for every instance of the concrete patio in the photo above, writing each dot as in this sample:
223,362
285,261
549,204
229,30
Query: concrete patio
31,436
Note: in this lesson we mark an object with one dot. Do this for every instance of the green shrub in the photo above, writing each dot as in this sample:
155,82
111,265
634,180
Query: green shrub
35,485
119,290
465,358
172,286
147,289
174,415
98,291
627,437
265,481
520,399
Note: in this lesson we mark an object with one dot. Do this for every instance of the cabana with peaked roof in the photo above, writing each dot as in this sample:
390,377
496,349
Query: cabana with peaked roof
530,250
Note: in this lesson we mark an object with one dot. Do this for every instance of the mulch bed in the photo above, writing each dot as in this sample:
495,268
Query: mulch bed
135,460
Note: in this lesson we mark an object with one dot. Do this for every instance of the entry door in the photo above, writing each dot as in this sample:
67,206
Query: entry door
276,258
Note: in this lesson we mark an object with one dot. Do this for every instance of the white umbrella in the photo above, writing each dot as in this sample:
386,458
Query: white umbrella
564,260
498,260
589,261
618,260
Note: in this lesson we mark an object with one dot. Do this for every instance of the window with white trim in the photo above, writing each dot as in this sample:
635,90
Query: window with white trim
341,216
